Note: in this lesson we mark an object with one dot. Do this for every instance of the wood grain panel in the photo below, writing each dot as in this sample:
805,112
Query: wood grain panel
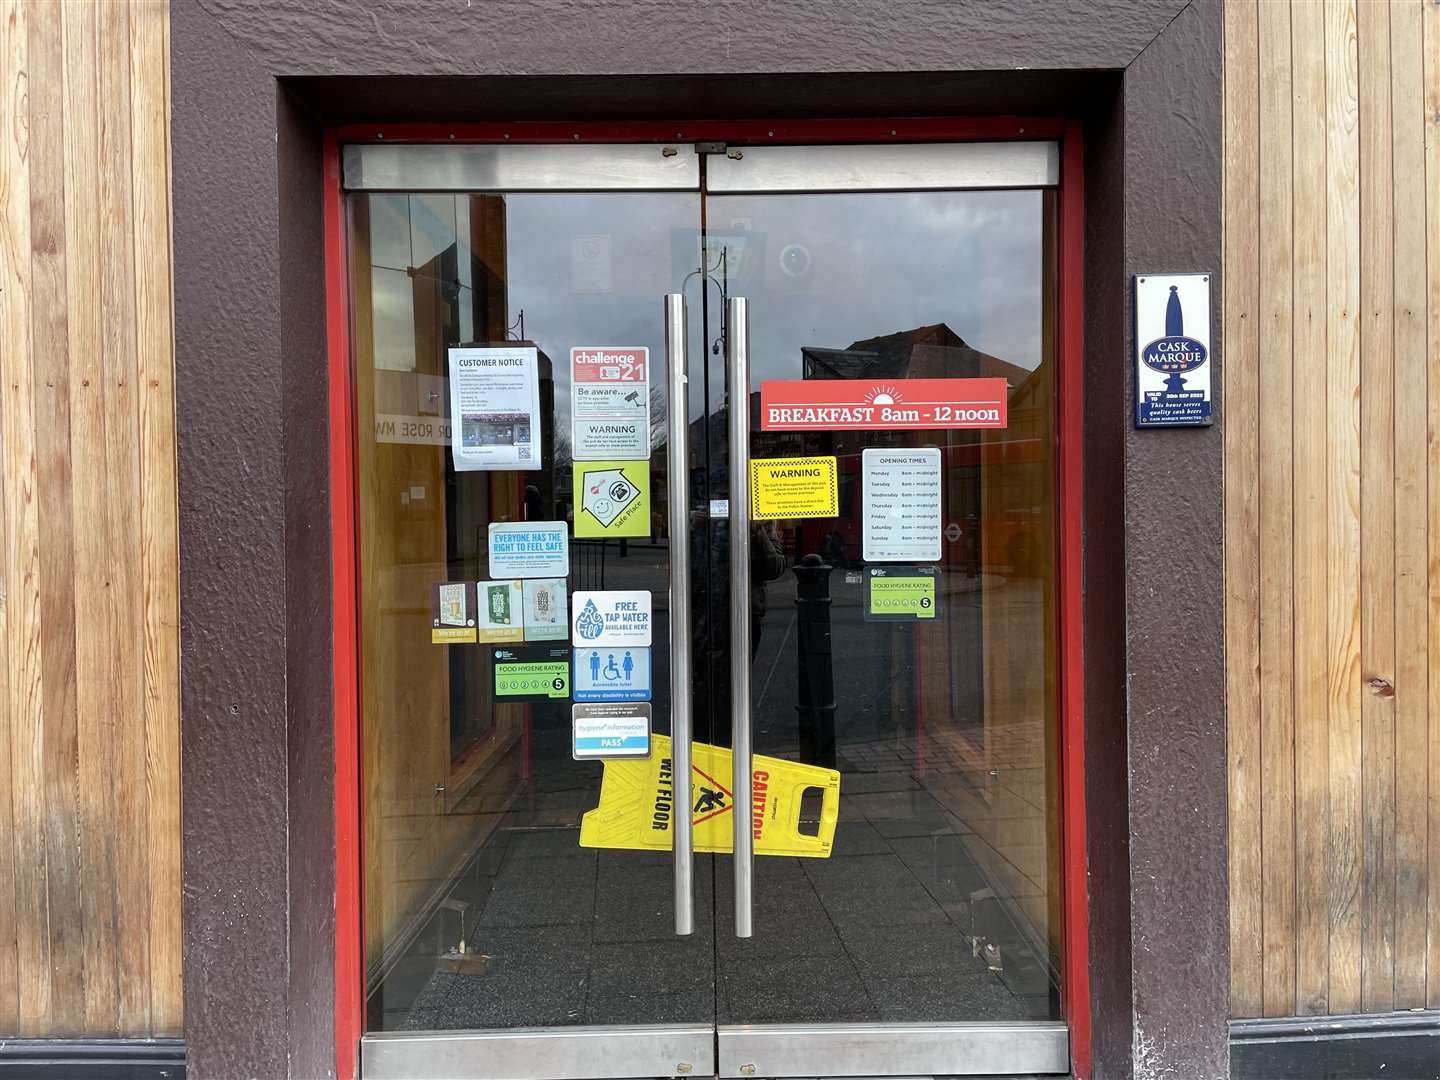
22,863
1308,371
89,713
159,548
1411,678
1377,511
50,396
1242,585
22,563
96,737
1342,407
1277,541
1431,34
1344,824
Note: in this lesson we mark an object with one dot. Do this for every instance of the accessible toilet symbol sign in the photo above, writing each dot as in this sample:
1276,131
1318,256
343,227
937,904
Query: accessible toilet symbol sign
612,674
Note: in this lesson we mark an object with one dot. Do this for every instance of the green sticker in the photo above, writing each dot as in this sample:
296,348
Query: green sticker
532,679
901,594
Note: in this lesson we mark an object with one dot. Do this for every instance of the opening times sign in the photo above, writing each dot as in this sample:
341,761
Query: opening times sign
897,404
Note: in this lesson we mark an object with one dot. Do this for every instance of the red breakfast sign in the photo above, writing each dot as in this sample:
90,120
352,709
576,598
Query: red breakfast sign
834,404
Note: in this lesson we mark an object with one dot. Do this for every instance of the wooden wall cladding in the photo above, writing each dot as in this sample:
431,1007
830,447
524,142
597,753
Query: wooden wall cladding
89,681
1332,440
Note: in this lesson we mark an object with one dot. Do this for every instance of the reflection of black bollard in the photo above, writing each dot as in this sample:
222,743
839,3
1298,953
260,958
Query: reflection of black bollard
816,692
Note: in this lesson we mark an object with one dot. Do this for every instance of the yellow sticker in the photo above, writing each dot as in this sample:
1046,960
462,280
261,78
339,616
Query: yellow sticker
795,487
612,498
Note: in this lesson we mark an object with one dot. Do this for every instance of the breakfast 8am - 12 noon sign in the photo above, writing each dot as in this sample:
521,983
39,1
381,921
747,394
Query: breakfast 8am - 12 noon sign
904,404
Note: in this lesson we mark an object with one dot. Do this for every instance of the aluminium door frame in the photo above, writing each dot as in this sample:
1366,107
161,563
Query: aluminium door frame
870,1048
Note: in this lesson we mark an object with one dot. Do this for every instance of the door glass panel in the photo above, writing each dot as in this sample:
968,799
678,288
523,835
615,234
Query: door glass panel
482,910
940,900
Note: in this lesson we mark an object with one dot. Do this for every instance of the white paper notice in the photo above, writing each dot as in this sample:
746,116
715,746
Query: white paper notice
610,403
495,407
901,495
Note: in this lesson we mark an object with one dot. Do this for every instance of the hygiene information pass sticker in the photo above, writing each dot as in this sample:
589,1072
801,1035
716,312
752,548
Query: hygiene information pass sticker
612,674
532,673
871,404
901,593
612,499
452,613
611,730
790,488
501,613
608,619
529,549
610,398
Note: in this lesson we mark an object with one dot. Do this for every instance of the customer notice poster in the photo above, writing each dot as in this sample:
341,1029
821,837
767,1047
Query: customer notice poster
495,407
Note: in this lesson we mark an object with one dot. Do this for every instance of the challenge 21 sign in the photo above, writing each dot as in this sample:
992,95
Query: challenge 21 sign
1172,350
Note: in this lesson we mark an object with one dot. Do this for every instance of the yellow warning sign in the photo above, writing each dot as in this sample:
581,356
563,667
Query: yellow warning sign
637,804
796,487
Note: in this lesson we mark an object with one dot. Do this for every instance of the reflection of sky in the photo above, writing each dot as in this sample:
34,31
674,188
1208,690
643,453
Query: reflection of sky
822,270
819,270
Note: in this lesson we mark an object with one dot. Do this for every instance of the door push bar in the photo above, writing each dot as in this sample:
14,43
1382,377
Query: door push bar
737,365
681,734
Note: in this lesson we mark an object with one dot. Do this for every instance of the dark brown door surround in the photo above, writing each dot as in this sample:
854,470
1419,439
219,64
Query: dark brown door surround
257,688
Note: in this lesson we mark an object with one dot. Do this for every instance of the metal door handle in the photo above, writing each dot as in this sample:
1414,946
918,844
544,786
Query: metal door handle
678,463
737,367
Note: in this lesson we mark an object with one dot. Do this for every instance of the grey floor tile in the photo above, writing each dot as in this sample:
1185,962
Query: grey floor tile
880,948
797,990
502,1000
612,1002
563,947
952,999
536,905
857,838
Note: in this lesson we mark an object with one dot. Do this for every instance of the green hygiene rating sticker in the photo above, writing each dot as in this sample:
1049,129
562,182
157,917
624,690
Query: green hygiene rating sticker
901,593
532,674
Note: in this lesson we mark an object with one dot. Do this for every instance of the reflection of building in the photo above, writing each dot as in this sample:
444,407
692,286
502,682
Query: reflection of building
1003,532
927,352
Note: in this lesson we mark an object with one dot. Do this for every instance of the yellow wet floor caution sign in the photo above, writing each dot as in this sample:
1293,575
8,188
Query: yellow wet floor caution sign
637,804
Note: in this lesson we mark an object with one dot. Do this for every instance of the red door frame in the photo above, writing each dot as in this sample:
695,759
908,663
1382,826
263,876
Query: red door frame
349,928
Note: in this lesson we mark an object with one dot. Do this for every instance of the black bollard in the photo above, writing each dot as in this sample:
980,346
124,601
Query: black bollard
816,690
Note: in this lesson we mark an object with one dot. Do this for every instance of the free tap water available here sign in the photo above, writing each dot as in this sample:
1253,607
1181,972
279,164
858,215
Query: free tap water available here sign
608,619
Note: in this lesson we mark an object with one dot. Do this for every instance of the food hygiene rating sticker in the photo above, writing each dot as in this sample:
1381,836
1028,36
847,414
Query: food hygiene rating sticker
534,673
901,593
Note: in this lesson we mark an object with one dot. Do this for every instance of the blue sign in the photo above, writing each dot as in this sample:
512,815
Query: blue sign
615,673
529,549
1172,370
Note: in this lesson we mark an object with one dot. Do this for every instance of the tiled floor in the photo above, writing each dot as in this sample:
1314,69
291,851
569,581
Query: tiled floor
880,931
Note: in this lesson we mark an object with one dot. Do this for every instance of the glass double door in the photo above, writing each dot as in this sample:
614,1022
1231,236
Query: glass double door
549,896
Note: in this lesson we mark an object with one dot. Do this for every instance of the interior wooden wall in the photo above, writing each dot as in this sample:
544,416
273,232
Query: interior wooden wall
1332,430
89,695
